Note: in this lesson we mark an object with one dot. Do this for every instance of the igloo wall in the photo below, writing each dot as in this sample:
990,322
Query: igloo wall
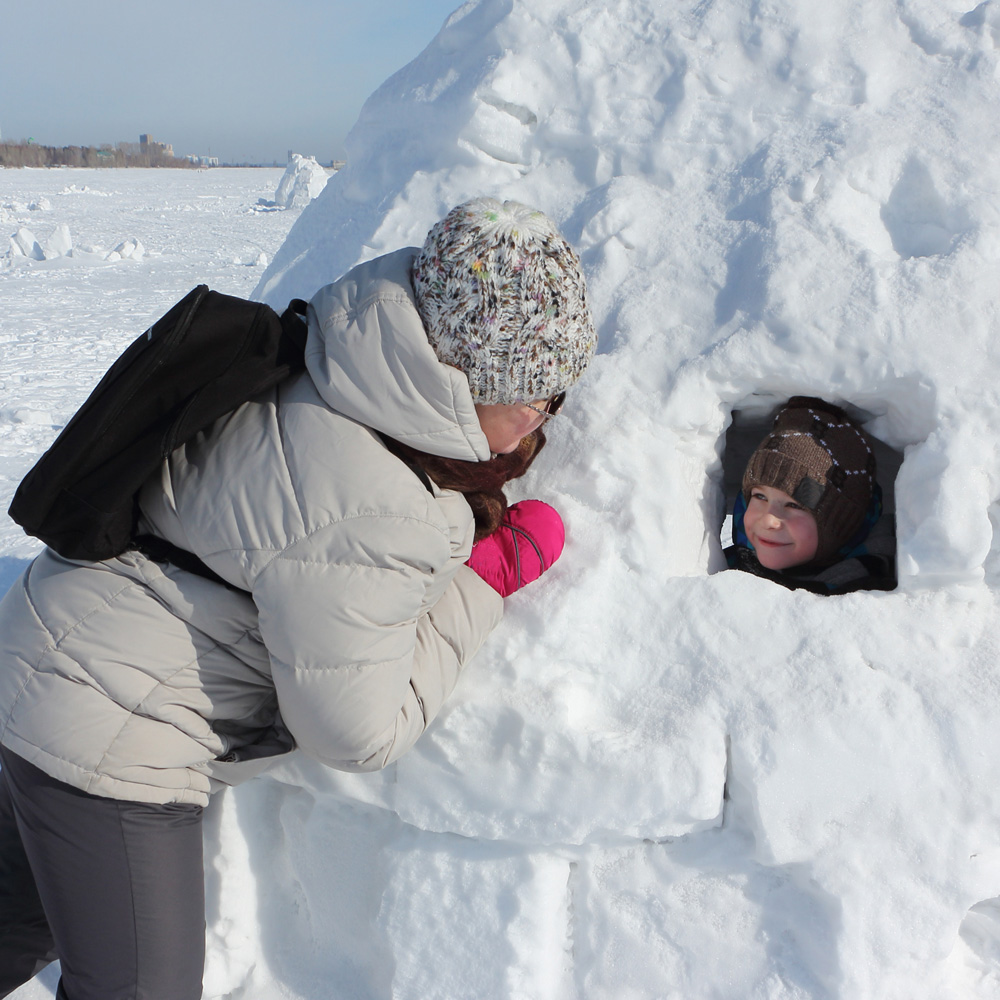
658,780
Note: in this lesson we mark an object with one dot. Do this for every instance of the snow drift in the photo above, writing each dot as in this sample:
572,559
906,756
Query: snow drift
302,181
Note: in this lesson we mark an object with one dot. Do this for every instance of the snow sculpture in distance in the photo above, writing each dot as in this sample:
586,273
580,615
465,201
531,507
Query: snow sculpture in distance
302,181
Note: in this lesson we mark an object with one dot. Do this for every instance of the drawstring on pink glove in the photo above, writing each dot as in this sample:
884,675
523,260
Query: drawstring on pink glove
529,540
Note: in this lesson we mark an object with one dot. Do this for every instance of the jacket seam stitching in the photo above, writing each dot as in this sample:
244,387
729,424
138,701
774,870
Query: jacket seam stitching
355,665
91,776
292,481
448,641
53,644
34,666
136,713
308,536
376,298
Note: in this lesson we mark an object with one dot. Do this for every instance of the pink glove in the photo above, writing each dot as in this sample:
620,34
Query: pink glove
529,540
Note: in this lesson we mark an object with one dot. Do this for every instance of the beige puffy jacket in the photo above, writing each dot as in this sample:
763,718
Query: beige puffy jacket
136,680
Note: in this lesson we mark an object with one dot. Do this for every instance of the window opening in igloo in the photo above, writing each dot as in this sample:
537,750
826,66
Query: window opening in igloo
865,563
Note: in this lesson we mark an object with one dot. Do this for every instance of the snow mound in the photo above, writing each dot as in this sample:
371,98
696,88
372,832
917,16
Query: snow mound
26,249
707,785
696,782
72,189
130,249
24,244
302,181
60,243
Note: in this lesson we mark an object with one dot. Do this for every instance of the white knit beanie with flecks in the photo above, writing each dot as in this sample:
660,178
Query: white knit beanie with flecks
502,298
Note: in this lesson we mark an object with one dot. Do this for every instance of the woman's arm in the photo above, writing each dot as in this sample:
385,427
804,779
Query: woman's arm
360,664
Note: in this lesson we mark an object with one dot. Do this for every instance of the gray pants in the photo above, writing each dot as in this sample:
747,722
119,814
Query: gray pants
114,890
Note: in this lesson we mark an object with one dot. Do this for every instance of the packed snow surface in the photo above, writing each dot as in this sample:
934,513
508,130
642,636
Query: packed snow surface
656,780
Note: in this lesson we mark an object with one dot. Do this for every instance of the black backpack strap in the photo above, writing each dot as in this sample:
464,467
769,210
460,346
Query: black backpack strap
295,325
162,551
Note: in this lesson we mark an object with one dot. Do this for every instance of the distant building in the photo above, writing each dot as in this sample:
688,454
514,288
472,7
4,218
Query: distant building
202,161
148,146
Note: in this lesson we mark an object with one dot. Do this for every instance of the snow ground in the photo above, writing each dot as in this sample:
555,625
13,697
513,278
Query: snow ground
63,320
656,781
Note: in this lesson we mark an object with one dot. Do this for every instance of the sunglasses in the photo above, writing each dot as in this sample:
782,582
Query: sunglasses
552,407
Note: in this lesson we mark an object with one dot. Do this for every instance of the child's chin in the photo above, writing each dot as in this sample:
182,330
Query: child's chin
777,562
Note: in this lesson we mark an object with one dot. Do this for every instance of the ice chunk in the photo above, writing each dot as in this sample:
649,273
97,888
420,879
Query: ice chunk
130,249
60,243
24,244
302,181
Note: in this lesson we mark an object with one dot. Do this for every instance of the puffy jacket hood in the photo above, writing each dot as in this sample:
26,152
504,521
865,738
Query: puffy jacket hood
368,354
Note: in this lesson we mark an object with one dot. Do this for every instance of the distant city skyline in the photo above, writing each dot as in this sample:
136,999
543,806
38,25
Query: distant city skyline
242,80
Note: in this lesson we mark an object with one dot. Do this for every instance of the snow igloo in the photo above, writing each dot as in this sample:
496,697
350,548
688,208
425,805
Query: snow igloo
658,780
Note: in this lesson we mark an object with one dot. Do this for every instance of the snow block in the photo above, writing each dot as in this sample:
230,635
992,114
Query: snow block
60,243
24,244
302,181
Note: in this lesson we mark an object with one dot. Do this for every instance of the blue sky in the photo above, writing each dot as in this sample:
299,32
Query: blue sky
244,80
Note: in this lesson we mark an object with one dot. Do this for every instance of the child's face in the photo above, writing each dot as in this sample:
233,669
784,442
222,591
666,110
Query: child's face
782,532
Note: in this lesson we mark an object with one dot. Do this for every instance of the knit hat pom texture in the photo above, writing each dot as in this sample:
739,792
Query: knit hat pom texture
503,298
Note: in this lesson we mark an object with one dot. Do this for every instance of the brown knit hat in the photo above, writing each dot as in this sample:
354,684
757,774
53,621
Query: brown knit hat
823,460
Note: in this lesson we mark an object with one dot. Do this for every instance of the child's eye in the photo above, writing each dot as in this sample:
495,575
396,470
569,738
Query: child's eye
758,496
794,506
